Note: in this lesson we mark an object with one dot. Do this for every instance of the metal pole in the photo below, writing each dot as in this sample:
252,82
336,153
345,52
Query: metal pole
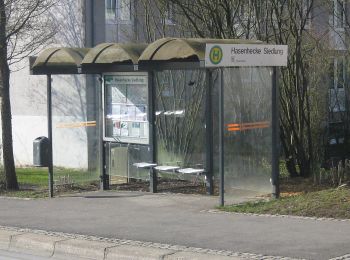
275,135
209,134
221,140
49,133
104,183
153,180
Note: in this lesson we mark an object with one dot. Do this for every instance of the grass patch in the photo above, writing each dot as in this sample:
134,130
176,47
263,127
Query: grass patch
33,176
33,182
33,194
40,193
39,176
330,203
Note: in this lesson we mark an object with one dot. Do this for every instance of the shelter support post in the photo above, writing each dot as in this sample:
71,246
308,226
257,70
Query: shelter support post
153,182
275,135
49,133
152,133
104,175
104,180
209,135
221,139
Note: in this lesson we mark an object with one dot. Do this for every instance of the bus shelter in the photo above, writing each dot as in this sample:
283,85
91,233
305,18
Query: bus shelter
215,107
187,106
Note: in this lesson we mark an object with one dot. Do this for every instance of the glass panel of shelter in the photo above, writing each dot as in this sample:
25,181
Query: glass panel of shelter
75,122
120,158
247,134
249,138
126,125
180,117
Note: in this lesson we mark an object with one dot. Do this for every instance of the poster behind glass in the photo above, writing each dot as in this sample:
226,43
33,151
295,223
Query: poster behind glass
126,118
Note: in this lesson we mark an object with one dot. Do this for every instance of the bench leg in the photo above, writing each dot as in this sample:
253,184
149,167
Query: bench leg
153,180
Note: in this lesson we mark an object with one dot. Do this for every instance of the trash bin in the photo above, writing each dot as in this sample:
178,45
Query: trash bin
41,153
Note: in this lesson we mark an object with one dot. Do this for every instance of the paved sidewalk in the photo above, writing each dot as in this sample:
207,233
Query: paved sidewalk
185,220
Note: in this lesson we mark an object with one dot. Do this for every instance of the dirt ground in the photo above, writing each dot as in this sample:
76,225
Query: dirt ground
289,187
164,185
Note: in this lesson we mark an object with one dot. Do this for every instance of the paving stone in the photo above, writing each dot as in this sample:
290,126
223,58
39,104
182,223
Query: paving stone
126,252
35,244
199,256
5,238
74,248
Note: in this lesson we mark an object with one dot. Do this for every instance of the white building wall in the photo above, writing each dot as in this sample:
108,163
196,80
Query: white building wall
29,118
28,97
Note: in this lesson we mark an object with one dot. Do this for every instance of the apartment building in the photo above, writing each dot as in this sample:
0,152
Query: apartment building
80,23
332,24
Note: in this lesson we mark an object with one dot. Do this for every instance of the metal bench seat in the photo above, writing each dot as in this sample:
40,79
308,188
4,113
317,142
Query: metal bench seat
144,165
166,168
191,171
153,167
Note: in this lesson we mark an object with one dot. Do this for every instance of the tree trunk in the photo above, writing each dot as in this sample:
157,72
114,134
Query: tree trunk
5,106
6,125
289,158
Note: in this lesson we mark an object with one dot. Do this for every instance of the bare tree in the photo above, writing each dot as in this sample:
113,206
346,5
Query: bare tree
279,22
157,20
24,28
221,19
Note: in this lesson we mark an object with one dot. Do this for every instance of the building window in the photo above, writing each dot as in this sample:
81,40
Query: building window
307,13
111,9
338,14
340,73
331,74
125,10
336,85
118,10
170,13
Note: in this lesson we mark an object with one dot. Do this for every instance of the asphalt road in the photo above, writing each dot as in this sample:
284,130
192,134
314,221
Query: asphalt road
179,220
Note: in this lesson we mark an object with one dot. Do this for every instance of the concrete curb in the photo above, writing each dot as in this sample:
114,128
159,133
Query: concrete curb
34,244
62,247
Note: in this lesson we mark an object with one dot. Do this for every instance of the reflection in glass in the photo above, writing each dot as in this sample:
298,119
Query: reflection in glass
180,123
75,136
247,122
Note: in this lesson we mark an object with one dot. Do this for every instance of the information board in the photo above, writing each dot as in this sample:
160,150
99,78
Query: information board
126,108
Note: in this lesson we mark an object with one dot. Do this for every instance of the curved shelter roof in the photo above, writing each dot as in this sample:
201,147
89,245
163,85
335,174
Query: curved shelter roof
112,57
59,61
180,50
107,57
